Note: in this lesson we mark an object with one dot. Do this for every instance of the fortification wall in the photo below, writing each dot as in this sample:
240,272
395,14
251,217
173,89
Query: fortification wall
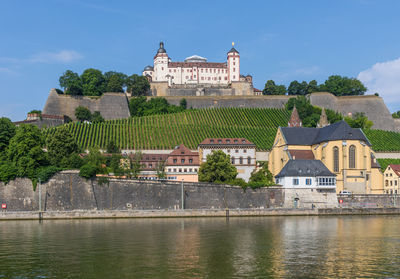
68,191
110,105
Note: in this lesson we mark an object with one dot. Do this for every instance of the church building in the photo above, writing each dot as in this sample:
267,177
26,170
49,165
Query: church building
194,70
345,151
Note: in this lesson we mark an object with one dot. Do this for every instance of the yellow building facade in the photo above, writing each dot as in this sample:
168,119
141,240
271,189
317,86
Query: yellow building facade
345,151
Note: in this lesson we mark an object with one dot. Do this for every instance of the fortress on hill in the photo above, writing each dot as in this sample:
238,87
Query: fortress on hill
213,85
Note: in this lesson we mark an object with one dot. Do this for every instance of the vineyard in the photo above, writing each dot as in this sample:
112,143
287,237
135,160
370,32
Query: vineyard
191,127
383,140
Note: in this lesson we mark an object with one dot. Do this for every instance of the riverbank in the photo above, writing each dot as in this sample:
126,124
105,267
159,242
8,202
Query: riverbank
110,214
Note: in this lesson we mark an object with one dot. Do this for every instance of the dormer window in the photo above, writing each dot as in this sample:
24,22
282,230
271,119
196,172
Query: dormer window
228,141
235,141
243,141
219,141
212,141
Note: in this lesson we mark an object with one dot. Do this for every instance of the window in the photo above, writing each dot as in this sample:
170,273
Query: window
295,181
326,181
308,181
249,160
190,170
352,157
174,170
367,177
395,183
219,141
386,175
386,183
185,170
233,160
241,160
391,183
336,159
182,161
244,150
228,141
236,151
235,141
169,170
228,151
212,141
391,174
150,165
190,160
175,161
180,170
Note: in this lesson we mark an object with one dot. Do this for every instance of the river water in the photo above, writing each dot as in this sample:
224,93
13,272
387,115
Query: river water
257,247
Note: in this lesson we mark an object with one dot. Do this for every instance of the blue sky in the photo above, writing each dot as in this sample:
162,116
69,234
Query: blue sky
279,40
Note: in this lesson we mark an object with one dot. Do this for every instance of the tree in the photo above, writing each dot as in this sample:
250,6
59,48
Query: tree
82,114
396,114
296,88
7,131
343,86
71,82
25,151
161,170
137,106
359,120
60,145
115,81
312,87
112,147
136,165
217,168
88,171
95,158
93,82
137,85
115,164
272,89
183,103
96,117
263,175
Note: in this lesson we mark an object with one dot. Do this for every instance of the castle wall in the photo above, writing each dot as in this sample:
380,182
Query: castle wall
110,105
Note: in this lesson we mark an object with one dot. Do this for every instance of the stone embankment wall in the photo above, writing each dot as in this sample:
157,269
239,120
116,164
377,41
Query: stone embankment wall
67,191
115,105
369,201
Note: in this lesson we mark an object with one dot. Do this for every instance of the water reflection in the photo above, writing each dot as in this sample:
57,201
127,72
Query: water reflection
281,247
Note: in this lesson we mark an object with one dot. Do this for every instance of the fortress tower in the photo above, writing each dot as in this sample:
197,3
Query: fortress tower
233,64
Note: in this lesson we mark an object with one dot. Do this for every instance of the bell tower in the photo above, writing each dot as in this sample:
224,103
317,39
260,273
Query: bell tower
233,61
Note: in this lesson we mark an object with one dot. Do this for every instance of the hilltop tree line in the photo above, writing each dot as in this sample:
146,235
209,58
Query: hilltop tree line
337,85
93,82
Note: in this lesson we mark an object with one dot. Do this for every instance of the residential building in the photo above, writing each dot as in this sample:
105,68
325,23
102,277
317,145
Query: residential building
241,151
182,164
391,177
308,183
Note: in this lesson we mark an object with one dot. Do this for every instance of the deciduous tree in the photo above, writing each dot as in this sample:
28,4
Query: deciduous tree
60,145
272,89
217,168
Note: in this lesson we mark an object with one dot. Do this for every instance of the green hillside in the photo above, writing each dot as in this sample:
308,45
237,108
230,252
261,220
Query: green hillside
258,125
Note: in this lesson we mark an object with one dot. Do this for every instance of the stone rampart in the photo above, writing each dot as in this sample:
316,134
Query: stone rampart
369,201
110,105
67,191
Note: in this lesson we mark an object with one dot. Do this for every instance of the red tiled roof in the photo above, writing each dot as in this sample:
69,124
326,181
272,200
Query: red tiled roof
395,168
301,154
226,141
152,157
257,90
196,64
181,150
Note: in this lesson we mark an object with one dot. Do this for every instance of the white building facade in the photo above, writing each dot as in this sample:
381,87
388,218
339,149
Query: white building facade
241,151
194,70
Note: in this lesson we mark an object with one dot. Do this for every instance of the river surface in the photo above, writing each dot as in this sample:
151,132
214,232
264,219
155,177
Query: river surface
257,247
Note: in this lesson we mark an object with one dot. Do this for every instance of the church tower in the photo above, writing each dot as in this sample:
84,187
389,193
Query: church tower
323,120
233,64
161,64
295,120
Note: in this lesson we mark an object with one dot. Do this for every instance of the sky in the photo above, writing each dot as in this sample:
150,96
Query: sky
279,40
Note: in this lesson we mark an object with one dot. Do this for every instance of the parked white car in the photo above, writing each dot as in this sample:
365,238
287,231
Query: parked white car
344,192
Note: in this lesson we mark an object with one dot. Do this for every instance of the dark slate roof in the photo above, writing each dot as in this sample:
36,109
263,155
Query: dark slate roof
233,50
148,68
309,136
309,168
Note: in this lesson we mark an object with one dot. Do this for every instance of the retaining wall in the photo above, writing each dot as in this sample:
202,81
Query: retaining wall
68,191
369,201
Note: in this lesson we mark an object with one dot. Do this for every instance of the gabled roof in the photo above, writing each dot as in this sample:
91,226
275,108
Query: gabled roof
294,120
301,154
395,168
182,150
233,50
309,136
311,168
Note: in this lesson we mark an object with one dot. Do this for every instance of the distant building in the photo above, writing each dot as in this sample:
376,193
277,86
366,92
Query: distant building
195,69
44,120
391,177
241,151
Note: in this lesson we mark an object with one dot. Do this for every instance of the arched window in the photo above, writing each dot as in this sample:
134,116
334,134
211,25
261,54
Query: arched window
335,159
233,160
352,157
249,160
241,160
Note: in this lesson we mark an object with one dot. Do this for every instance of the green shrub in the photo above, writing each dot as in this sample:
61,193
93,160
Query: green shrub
8,172
88,171
47,172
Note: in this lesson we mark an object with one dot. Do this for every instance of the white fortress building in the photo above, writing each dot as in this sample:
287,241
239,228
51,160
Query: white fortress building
194,70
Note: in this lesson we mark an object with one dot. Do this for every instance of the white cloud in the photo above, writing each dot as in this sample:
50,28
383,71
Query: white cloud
383,78
5,70
64,56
